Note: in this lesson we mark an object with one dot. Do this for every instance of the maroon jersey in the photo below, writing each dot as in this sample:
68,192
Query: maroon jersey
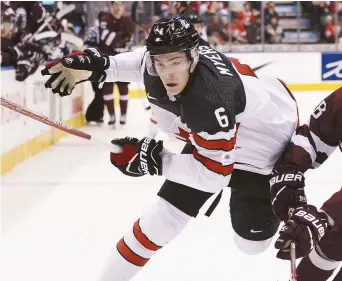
112,35
314,142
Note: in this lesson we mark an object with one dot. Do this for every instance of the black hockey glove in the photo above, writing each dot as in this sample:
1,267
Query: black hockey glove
287,192
75,68
306,227
22,70
138,157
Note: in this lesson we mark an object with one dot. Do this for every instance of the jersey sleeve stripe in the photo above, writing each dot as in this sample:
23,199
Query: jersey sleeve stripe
129,255
212,165
305,144
321,146
142,238
220,144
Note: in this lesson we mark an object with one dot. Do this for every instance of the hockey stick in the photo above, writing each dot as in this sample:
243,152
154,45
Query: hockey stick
293,262
134,16
58,125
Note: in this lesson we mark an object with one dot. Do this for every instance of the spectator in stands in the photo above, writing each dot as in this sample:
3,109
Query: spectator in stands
254,31
239,31
246,16
216,35
274,32
270,12
331,29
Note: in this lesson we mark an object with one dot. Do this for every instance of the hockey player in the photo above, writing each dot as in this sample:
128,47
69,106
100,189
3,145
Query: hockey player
18,21
317,233
197,22
227,115
111,36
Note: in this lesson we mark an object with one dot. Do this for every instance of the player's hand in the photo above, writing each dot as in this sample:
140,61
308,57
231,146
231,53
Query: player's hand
22,69
287,192
138,158
306,227
75,68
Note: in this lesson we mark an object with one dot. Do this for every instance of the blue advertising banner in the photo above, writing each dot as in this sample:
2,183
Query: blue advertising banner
331,66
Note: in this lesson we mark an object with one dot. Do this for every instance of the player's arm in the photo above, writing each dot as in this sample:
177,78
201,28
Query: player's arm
91,65
312,144
208,168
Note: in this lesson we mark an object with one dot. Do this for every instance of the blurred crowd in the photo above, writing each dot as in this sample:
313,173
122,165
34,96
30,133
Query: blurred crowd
34,32
242,22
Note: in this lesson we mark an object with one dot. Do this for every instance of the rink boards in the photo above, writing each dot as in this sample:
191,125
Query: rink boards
22,137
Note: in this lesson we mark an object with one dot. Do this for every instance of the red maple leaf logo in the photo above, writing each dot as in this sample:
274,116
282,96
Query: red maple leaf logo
182,135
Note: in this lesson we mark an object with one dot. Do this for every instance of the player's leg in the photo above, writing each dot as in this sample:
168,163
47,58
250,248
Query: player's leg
160,224
108,97
253,220
123,91
327,255
95,109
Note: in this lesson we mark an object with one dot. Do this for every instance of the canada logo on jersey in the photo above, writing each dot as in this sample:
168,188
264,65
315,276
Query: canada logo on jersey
183,135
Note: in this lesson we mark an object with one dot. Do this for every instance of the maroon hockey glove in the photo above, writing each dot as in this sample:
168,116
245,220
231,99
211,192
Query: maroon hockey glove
287,192
138,158
306,227
75,68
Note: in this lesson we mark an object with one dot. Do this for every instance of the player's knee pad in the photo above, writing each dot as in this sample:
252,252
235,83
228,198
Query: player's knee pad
321,261
250,247
157,226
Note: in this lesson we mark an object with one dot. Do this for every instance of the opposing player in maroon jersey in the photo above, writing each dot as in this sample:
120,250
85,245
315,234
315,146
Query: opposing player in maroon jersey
317,233
111,37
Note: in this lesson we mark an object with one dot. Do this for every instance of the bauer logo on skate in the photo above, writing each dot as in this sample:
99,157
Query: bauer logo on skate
331,66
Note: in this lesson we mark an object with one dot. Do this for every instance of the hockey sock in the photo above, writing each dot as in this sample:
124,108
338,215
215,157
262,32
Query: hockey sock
123,90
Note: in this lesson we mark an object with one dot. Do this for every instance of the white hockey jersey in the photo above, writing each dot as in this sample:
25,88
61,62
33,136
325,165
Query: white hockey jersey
263,119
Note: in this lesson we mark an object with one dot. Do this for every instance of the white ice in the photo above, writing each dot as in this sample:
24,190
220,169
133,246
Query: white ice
64,210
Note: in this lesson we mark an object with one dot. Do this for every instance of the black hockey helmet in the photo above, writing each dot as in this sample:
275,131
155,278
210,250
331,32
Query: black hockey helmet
172,35
193,17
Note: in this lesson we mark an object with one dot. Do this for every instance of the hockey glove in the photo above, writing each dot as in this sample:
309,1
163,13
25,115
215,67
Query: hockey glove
306,227
22,70
287,192
138,157
75,68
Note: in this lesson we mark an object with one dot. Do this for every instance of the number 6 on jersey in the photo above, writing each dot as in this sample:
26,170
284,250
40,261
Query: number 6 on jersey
221,118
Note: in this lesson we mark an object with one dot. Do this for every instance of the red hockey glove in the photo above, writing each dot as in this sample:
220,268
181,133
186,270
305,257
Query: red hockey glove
138,157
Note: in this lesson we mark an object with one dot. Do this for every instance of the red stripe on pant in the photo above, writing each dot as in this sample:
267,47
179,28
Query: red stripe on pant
142,238
212,165
129,255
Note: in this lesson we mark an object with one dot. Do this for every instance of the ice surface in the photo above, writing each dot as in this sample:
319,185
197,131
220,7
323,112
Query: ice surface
64,210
